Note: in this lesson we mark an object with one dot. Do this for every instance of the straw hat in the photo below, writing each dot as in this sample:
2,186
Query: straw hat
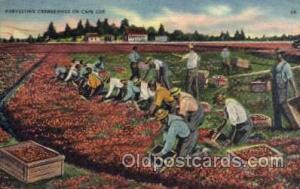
161,114
175,91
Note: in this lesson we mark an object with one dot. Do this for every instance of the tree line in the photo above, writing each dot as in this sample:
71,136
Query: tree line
103,28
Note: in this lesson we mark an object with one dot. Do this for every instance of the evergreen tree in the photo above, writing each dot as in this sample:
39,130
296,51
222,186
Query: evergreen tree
67,32
236,35
106,27
222,36
51,32
227,36
39,38
99,27
30,39
161,30
123,26
79,29
151,33
88,27
242,35
11,39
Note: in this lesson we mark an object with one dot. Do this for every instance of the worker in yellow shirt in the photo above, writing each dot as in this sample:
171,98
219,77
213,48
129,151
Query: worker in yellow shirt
94,84
188,108
162,98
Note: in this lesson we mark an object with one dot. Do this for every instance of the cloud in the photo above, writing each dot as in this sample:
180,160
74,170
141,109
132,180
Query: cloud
21,29
211,22
218,10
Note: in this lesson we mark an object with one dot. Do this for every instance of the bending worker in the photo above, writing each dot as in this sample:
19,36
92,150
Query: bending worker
191,111
132,90
162,71
162,98
176,128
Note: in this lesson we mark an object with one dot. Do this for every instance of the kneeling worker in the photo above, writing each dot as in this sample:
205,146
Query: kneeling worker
191,111
236,127
176,128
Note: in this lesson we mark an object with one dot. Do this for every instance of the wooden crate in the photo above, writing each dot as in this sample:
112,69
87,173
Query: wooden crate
260,86
33,171
261,121
233,152
293,112
242,63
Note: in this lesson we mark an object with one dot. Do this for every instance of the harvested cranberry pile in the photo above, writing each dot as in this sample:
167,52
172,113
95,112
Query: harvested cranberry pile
257,152
4,136
205,134
32,153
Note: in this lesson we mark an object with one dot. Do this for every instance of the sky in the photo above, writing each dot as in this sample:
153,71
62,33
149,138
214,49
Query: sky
255,17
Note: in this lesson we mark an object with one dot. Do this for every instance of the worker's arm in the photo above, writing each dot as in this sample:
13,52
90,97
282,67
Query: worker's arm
152,109
290,77
170,140
92,92
157,74
69,76
294,86
182,57
111,88
129,94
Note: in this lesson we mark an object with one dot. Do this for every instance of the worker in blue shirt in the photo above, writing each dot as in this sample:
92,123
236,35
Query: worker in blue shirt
132,90
134,59
99,64
282,79
176,128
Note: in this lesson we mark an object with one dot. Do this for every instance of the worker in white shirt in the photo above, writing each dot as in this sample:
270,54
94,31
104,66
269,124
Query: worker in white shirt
73,72
236,127
225,54
191,82
162,71
116,85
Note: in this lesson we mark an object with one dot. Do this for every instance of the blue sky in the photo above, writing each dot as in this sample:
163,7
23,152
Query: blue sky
256,17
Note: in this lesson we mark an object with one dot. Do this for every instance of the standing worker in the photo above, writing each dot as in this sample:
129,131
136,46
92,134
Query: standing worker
282,77
191,82
162,71
134,59
188,108
225,54
99,65
176,128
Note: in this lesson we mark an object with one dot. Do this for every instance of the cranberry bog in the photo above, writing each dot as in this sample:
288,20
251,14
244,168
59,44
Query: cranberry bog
97,135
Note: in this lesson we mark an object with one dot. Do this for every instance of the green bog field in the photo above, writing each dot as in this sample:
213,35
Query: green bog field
95,136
